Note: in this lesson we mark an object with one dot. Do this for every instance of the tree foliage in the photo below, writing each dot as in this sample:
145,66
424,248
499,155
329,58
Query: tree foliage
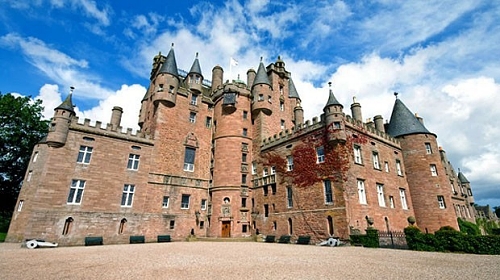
21,128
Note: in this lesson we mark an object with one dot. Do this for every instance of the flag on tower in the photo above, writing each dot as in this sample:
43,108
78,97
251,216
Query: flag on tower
233,62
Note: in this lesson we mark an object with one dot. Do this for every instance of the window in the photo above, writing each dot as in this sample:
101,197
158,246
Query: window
453,188
290,226
245,115
428,148
273,189
165,202
172,224
433,170
171,89
243,202
269,98
266,210
289,195
376,163
192,117
67,225
35,156
391,201
261,97
243,179
265,172
243,157
189,155
275,225
357,155
380,195
245,132
84,155
402,194
160,87
30,173
361,192
282,106
133,162
336,125
328,191
127,195
273,170
203,204
121,228
441,203
266,190
386,166
76,192
289,163
20,205
208,122
202,224
329,221
194,99
398,168
185,201
254,168
320,154
282,123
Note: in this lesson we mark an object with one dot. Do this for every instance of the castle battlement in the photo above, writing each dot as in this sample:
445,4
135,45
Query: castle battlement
109,130
370,130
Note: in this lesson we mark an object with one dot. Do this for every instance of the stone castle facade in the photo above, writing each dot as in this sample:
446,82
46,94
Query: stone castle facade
232,159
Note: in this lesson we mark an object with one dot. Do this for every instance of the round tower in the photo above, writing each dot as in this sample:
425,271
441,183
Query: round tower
167,81
195,77
424,171
59,126
217,77
356,110
334,119
262,92
116,117
250,77
379,122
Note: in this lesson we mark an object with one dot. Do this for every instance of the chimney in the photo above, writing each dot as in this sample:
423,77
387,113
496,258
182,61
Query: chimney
116,117
356,110
379,123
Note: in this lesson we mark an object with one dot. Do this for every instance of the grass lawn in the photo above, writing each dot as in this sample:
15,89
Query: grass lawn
2,236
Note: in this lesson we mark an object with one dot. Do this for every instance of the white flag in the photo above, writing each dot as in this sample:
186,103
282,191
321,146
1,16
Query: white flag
234,62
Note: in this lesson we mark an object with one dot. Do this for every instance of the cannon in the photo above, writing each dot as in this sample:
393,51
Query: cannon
35,243
331,241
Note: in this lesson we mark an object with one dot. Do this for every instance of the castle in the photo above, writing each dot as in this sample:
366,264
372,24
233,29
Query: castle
233,159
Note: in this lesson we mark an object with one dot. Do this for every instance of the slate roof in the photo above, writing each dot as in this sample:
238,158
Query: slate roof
261,77
332,100
195,68
292,91
170,65
403,122
67,104
462,178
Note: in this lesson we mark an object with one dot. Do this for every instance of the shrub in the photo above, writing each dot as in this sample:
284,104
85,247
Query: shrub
468,227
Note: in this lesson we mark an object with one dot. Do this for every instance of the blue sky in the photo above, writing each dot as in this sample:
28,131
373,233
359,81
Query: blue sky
441,56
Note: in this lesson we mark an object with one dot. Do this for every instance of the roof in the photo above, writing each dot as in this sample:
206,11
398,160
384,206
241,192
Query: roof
170,65
332,100
195,68
403,122
292,91
67,104
261,77
462,178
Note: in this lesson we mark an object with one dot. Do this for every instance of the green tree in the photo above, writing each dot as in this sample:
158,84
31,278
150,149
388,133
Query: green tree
497,211
21,127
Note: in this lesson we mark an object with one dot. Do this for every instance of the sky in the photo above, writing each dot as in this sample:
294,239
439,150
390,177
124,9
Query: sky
442,57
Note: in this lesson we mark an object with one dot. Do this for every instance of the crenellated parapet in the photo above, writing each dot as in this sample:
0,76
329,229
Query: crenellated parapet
109,130
370,130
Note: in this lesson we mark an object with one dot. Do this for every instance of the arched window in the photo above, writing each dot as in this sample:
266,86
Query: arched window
122,226
330,225
290,226
67,226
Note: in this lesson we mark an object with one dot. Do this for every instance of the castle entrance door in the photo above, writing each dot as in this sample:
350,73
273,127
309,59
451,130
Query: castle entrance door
226,229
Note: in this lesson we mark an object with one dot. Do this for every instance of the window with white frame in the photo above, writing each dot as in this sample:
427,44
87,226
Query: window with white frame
282,106
185,201
254,168
282,124
35,156
289,197
84,154
398,168
28,178
428,148
208,122
320,154
127,195
20,205
160,87
265,172
261,97
289,163
133,162
357,155
76,192
452,187
380,195
433,170
391,201
328,191
189,155
171,89
203,204
441,203
166,200
402,195
386,166
192,117
376,162
273,170
194,99
361,192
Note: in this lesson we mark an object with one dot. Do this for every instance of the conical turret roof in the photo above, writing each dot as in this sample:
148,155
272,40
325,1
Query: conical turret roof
332,100
67,104
292,91
403,122
170,65
195,68
261,77
462,178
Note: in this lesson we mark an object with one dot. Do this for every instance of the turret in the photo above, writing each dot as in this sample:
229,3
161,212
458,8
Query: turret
262,92
250,77
298,112
167,81
217,77
116,117
379,123
334,119
143,112
356,110
195,77
59,126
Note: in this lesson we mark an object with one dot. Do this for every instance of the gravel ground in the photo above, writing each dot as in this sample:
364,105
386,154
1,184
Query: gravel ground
238,260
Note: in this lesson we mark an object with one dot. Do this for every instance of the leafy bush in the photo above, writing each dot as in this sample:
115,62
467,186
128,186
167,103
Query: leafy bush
468,227
370,239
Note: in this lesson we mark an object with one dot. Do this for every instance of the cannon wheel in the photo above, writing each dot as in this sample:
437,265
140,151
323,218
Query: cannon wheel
32,244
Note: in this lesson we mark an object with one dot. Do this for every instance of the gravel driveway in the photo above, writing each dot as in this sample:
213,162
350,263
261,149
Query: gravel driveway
238,260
